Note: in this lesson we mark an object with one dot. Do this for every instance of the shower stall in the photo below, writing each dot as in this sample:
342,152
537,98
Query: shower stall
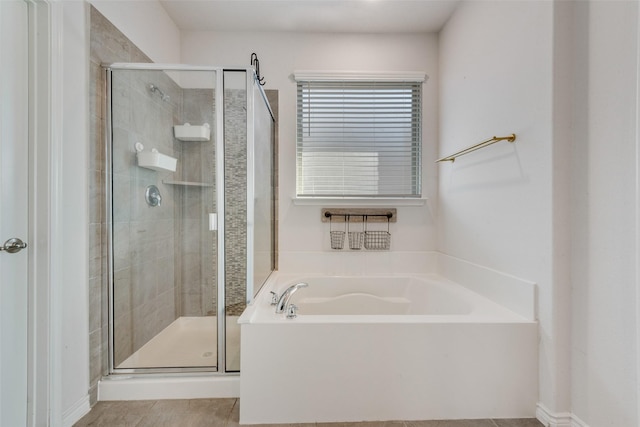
191,223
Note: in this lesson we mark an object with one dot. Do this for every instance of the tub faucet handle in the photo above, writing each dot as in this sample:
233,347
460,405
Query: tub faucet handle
274,298
292,311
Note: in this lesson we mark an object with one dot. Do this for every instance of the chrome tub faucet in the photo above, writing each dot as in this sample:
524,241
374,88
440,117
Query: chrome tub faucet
283,302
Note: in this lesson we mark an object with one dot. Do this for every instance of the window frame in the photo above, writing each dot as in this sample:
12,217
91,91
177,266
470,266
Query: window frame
412,79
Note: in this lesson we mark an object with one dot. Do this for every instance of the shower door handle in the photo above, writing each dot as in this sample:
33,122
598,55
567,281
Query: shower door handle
213,221
13,245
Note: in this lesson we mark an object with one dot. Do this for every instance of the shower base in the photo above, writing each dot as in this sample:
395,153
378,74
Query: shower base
181,344
186,343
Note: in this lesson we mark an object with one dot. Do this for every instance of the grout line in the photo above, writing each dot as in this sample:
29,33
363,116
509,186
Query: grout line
494,423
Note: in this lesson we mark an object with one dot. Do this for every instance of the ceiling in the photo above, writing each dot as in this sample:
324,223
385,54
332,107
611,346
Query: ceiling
350,16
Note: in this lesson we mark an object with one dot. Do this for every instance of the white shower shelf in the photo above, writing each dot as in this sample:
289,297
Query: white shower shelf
188,132
188,183
156,161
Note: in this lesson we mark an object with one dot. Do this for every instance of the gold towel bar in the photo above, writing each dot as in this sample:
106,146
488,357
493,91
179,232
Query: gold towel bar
482,144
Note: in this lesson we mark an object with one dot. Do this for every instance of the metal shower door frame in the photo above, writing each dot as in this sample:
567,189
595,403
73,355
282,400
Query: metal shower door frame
220,368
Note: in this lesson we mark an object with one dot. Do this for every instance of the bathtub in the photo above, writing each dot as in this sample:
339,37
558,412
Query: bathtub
384,348
386,296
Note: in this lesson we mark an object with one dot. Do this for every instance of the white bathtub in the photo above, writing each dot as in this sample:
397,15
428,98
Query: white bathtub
383,296
384,348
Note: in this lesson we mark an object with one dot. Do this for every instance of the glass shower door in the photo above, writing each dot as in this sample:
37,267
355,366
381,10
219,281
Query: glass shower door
248,200
163,220
235,195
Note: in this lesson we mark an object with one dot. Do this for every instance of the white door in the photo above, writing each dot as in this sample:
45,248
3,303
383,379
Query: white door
13,211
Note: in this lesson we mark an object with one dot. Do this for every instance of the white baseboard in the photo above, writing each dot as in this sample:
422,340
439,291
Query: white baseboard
577,422
76,411
563,419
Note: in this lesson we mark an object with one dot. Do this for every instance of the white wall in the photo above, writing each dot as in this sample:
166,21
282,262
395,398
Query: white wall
147,24
560,206
69,190
604,352
282,53
495,204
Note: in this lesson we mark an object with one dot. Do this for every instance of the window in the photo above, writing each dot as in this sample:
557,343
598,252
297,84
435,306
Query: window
359,138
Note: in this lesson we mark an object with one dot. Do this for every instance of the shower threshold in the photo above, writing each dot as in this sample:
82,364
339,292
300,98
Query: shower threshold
188,342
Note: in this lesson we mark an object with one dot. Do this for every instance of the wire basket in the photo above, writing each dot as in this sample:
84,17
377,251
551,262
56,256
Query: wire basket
337,236
356,239
377,240
337,239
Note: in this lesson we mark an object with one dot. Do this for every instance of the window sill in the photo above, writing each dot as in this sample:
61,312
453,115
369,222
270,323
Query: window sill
358,201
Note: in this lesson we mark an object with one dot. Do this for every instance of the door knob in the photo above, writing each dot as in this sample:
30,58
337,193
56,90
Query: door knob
13,245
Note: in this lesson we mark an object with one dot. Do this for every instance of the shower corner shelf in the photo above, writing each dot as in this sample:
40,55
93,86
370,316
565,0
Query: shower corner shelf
188,132
188,183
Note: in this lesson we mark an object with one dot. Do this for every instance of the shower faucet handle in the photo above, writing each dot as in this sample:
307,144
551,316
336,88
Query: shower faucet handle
274,298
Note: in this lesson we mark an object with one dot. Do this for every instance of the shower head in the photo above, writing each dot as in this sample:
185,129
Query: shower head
153,88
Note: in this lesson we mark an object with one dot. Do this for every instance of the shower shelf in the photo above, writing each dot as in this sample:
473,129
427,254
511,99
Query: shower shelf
156,161
187,132
188,183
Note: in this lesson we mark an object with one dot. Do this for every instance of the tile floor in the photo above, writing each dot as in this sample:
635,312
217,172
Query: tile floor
224,413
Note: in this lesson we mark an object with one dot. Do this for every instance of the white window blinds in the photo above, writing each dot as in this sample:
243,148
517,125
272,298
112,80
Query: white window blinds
359,138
